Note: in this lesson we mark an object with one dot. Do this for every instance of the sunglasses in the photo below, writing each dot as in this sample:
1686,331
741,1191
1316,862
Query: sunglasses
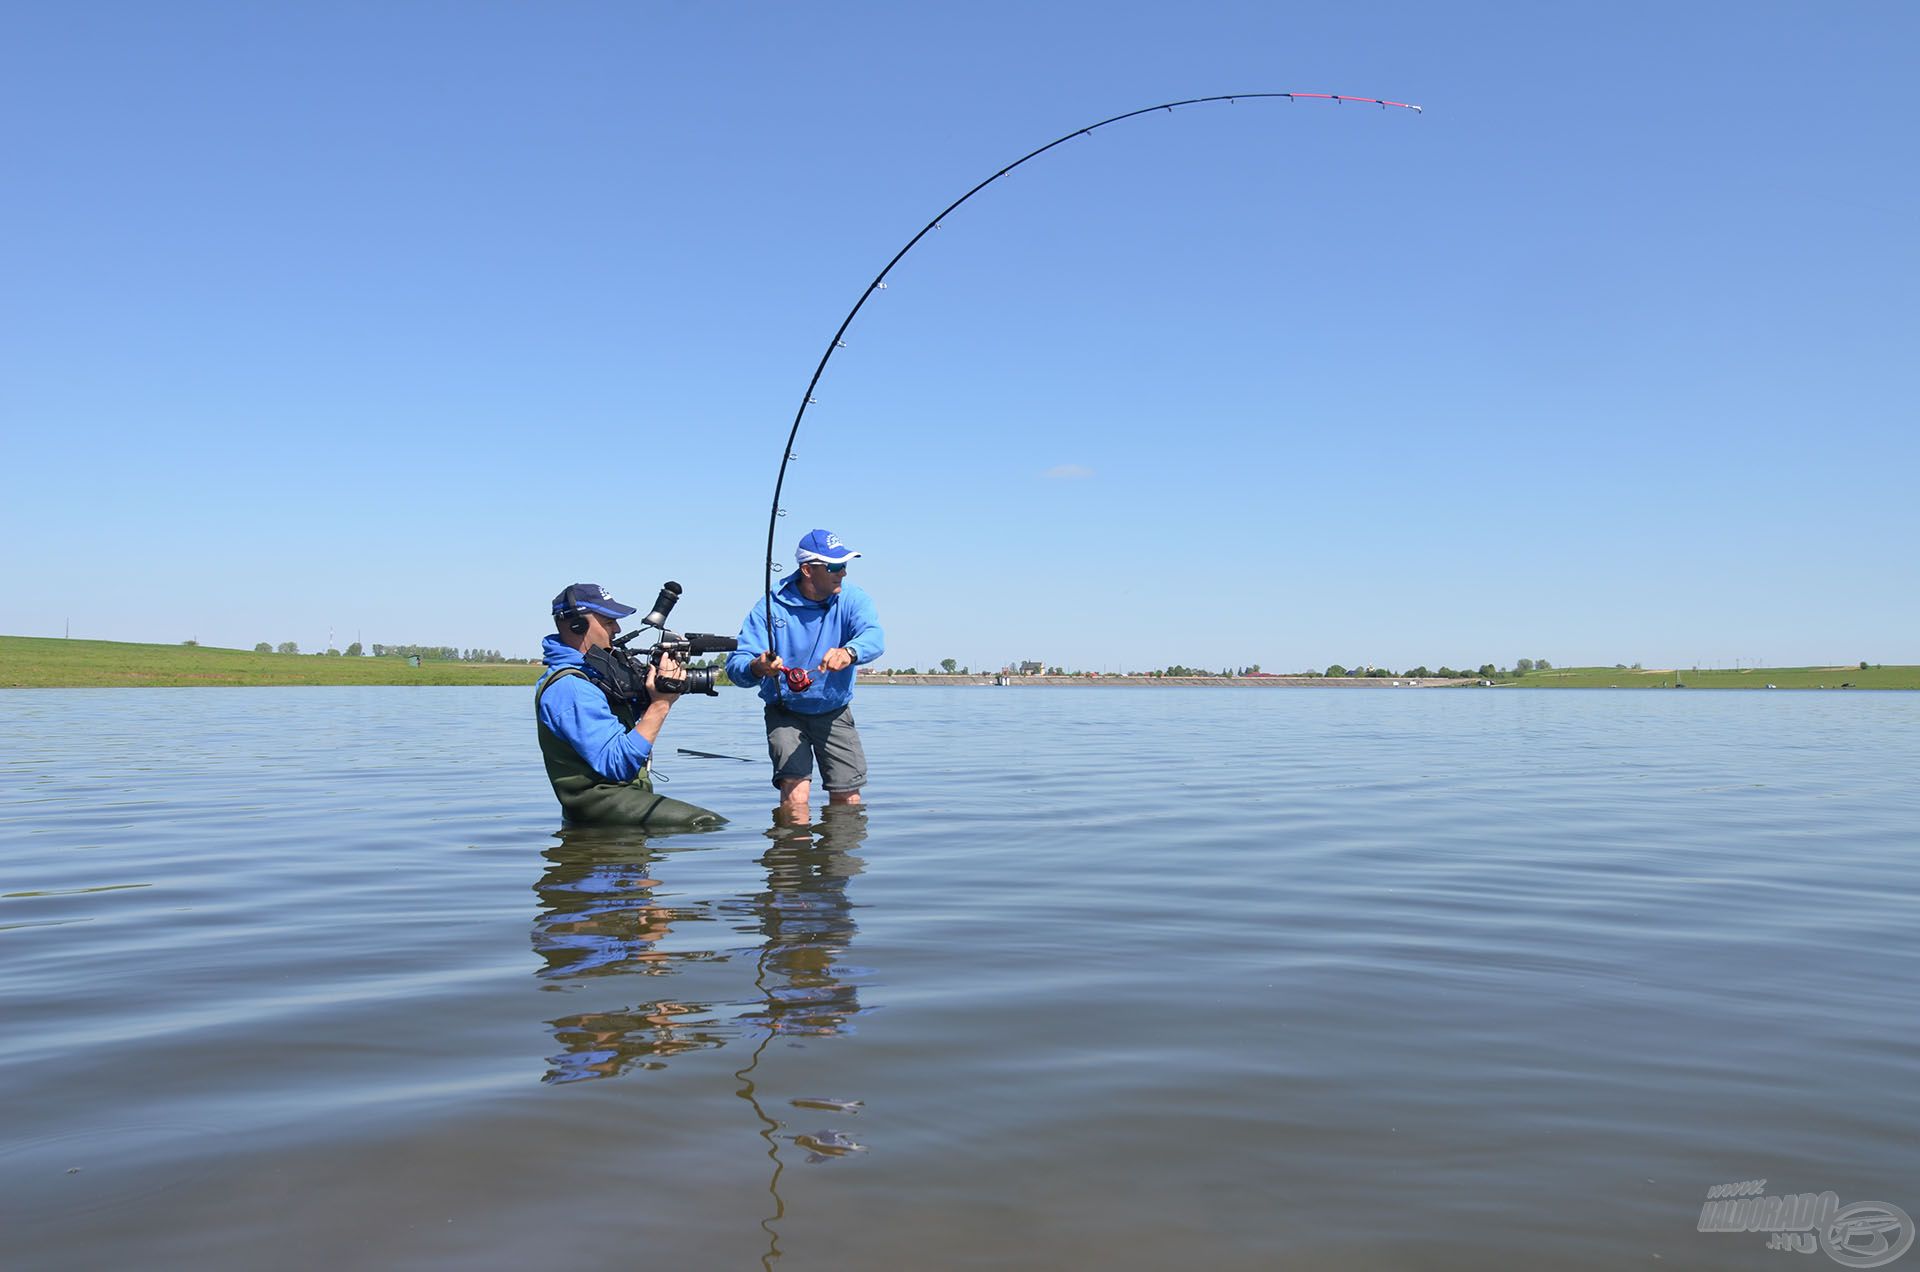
830,569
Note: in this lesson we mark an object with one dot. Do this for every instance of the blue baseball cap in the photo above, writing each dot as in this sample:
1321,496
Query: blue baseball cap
591,596
821,545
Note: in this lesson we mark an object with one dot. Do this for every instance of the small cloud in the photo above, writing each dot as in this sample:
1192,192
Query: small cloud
1067,472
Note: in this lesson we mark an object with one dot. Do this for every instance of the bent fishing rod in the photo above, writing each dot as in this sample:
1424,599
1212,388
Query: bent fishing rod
879,282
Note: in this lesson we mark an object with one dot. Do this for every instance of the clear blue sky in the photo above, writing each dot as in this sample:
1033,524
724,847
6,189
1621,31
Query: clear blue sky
395,318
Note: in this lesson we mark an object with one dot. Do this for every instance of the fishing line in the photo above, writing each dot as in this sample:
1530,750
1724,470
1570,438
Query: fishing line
879,282
714,755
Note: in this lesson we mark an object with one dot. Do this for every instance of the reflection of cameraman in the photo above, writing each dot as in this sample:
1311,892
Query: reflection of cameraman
596,745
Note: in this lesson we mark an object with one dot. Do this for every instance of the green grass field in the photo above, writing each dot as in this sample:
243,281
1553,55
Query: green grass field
1877,677
31,662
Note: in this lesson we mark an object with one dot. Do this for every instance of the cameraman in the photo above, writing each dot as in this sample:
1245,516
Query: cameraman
597,749
823,628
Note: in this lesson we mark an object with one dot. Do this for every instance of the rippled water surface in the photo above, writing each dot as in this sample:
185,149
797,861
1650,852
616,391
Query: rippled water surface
1150,978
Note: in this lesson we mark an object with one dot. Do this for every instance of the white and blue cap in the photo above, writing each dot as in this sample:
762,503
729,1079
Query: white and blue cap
820,545
592,597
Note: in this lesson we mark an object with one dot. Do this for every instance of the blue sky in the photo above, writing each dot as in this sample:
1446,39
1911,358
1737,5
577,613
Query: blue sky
391,320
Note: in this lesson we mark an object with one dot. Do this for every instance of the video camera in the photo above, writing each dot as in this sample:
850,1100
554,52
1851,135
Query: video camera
623,672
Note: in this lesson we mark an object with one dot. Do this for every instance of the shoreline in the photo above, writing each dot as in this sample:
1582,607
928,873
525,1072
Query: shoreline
1208,682
35,662
1889,679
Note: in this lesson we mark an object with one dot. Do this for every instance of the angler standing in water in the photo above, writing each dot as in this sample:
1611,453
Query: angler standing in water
823,628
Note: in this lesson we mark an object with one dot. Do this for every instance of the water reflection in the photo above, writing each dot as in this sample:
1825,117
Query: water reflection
602,916
599,917
808,923
804,987
598,911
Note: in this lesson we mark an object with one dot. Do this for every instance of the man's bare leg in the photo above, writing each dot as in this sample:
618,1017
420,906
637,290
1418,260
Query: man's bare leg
844,797
794,792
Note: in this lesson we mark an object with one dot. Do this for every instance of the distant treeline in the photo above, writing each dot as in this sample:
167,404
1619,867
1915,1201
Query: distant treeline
1486,671
426,653
439,653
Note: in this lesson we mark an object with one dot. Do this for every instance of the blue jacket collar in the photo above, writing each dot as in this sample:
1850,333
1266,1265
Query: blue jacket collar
790,595
555,652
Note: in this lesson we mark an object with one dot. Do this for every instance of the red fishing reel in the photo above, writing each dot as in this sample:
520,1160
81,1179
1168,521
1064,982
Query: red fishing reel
799,679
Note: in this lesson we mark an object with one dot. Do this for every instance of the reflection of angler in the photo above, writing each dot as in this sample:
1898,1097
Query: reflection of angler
808,922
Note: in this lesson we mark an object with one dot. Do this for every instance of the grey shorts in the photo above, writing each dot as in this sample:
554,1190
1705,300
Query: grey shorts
793,740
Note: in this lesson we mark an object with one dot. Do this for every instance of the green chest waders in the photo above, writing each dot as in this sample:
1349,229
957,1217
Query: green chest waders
588,799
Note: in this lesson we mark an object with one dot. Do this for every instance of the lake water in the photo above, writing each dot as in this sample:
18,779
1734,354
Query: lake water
1135,979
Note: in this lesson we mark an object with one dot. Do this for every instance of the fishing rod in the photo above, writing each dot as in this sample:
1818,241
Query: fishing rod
879,282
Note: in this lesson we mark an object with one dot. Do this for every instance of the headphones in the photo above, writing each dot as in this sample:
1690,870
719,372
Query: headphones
571,614
576,618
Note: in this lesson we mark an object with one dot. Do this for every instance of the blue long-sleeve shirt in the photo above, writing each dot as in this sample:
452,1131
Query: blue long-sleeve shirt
575,709
804,630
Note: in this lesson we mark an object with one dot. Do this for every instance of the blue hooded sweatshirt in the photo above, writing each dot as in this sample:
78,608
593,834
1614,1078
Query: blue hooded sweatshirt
804,631
575,709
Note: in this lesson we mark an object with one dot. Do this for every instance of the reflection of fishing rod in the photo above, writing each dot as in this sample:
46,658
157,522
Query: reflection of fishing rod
783,873
750,1093
768,1125
879,282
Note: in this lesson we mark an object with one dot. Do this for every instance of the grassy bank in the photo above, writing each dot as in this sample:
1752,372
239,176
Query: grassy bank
31,662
